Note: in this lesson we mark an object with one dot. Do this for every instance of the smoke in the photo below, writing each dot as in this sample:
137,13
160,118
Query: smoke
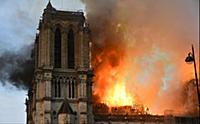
17,68
18,24
142,44
18,29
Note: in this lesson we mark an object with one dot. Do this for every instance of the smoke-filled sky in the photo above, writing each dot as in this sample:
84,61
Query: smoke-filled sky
145,41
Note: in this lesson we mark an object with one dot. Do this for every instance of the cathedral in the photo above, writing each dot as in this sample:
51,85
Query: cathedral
61,88
62,83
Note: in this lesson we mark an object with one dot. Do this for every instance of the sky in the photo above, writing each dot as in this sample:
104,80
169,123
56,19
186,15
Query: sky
18,23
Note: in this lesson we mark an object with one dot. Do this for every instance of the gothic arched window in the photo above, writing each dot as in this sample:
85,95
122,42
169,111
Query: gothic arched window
57,87
69,88
70,45
73,89
57,49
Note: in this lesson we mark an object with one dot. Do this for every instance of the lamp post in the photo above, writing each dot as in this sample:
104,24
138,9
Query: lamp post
191,58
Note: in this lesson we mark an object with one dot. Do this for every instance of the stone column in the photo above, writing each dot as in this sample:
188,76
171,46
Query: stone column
47,97
39,118
89,96
70,88
47,80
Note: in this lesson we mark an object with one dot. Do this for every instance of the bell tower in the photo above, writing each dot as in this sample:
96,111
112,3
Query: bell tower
62,85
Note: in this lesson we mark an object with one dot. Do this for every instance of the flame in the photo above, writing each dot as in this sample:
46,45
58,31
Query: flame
118,96
111,77
155,68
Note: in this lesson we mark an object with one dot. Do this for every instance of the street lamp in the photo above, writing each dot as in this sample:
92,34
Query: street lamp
191,58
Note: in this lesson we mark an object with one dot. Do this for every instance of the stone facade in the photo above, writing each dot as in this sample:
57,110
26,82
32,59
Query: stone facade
62,70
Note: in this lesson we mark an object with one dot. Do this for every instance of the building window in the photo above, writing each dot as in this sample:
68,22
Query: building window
57,88
73,89
69,89
70,44
57,49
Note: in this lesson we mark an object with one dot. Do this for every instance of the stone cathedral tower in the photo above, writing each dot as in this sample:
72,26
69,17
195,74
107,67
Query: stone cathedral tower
62,85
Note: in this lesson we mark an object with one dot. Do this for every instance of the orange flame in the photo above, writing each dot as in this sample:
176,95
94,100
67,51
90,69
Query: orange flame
118,96
110,77
151,54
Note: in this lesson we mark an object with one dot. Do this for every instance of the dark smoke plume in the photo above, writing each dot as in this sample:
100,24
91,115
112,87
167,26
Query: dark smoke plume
16,68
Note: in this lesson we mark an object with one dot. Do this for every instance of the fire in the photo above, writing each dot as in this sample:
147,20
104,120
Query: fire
137,61
118,96
110,76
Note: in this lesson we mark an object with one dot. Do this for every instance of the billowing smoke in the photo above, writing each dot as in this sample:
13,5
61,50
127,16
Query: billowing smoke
18,24
18,28
17,68
141,45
